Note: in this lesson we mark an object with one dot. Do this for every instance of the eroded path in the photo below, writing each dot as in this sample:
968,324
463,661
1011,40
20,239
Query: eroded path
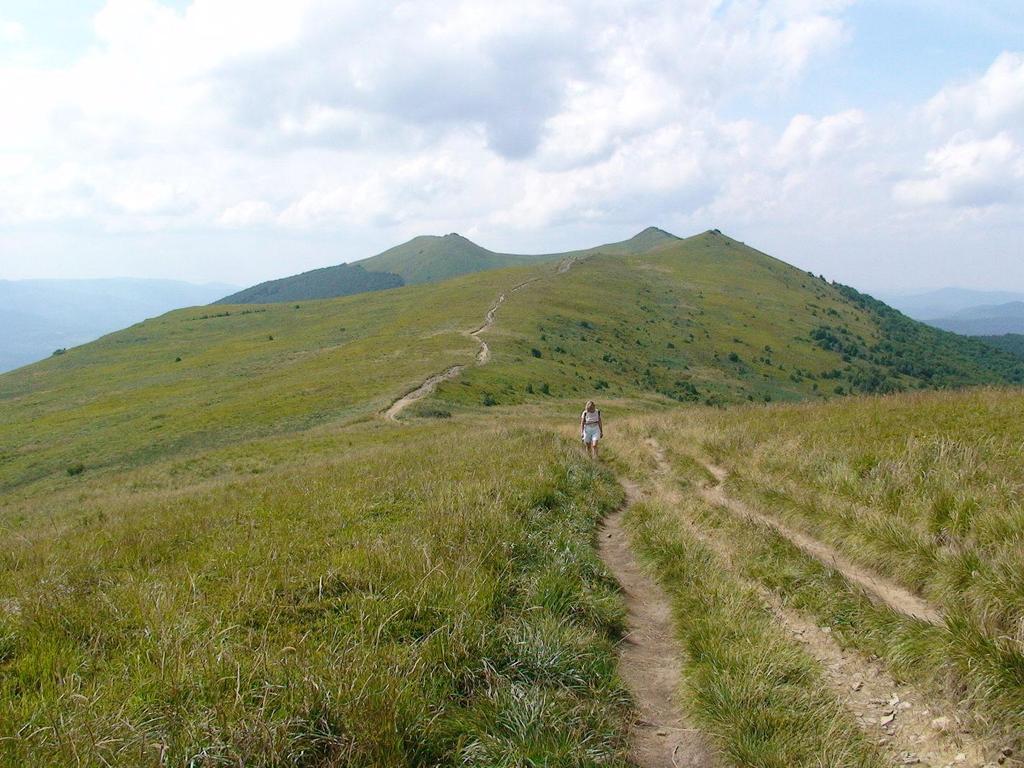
912,727
649,657
896,597
483,355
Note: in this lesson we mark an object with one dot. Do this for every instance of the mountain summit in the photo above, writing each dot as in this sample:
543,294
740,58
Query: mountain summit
429,258
652,237
424,259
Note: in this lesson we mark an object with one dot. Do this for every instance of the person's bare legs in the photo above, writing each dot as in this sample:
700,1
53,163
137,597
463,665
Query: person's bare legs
594,450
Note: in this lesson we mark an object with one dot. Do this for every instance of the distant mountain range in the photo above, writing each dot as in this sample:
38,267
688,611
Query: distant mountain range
963,311
424,259
946,302
38,317
986,320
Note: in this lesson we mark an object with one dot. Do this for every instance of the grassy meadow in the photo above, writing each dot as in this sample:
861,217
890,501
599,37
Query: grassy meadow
220,374
925,488
320,600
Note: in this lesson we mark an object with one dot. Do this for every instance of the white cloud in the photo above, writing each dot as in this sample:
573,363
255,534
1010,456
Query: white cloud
247,213
969,173
993,99
807,138
976,129
11,31
376,115
578,116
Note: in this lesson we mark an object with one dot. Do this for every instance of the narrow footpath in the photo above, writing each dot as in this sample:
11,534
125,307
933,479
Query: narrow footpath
649,656
483,356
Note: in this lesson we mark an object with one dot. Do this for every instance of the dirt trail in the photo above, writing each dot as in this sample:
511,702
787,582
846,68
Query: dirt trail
421,391
483,355
912,730
566,264
649,657
896,597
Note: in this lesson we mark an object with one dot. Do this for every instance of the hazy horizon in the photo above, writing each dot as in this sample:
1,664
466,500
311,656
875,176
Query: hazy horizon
878,143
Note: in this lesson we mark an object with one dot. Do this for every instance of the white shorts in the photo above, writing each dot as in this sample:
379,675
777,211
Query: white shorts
591,434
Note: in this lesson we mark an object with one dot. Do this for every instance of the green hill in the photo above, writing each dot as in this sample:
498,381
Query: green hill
424,259
428,258
325,283
705,319
708,319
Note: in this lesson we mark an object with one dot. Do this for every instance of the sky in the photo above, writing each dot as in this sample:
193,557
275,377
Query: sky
880,143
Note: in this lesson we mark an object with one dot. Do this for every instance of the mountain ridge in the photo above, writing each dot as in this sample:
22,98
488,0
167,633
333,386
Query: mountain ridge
705,319
423,259
984,320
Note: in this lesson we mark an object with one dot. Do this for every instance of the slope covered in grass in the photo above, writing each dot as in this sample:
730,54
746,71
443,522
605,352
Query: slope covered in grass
924,488
708,319
216,375
705,319
424,259
326,283
287,602
430,258
213,551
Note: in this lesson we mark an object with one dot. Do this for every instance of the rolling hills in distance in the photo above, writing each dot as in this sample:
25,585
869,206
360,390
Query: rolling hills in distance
988,315
38,317
424,259
946,302
703,320
214,547
984,320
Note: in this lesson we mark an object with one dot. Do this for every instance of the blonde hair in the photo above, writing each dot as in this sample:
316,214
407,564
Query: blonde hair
589,403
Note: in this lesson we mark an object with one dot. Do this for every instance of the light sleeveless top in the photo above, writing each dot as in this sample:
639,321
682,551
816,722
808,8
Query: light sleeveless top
591,417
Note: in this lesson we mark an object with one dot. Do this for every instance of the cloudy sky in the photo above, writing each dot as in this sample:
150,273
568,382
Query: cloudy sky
879,142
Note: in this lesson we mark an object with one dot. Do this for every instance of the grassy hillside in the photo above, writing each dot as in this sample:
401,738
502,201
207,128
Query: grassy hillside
700,320
710,320
287,602
225,374
922,488
428,258
326,283
425,259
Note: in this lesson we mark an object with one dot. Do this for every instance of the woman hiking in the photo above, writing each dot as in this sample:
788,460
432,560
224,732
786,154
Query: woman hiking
591,428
